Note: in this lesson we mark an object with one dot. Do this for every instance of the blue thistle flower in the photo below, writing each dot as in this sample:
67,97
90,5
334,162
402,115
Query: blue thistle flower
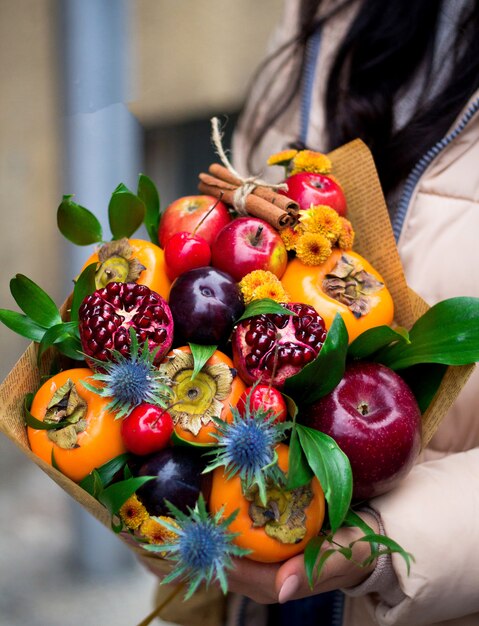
203,548
131,380
247,446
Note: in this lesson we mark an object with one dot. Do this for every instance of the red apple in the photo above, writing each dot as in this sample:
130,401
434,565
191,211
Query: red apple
309,189
374,418
185,214
247,244
185,251
147,429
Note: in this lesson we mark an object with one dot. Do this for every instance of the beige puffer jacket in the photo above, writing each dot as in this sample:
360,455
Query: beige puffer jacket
434,512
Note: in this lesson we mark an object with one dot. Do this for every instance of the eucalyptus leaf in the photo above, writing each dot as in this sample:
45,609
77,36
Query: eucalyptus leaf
333,470
373,339
34,302
201,354
322,375
78,224
126,212
148,192
263,307
22,325
299,471
84,286
114,496
447,333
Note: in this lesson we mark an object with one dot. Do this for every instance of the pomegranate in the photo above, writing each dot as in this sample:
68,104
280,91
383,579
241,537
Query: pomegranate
273,347
106,316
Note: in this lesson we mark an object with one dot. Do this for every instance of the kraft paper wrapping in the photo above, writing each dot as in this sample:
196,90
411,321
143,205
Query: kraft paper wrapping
353,166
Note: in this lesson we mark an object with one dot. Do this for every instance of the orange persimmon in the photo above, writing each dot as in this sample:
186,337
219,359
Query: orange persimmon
228,493
152,258
196,400
304,283
99,442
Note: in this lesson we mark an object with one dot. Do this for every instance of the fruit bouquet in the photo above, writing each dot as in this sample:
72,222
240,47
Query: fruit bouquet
214,392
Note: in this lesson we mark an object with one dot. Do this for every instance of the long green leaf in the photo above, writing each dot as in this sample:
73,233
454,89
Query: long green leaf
126,212
447,333
148,192
263,307
311,554
299,471
333,470
373,339
322,375
114,496
105,473
78,224
200,355
34,302
424,380
84,286
22,325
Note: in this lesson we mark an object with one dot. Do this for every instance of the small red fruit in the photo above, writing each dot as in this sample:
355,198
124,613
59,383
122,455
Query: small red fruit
310,188
147,429
263,397
185,251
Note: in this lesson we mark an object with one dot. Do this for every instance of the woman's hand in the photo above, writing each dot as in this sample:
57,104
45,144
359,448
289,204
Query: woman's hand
271,582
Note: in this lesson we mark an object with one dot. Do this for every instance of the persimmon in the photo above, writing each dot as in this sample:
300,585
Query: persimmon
196,400
362,304
228,493
81,445
131,260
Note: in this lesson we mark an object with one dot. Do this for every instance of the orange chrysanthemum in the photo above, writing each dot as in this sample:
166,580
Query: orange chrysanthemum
321,219
346,234
313,248
309,161
282,158
274,291
253,280
133,513
289,236
155,532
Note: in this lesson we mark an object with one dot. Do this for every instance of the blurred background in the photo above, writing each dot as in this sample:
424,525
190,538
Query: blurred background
93,92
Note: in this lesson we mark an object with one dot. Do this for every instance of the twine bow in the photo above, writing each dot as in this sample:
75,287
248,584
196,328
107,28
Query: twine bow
249,183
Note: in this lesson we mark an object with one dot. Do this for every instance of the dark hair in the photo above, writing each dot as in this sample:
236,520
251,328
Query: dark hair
385,44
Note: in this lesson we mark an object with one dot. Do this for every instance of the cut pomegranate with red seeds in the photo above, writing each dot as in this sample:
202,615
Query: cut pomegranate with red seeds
273,347
106,316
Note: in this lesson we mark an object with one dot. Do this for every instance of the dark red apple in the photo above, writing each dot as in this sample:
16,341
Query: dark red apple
374,418
148,428
185,251
309,189
247,244
185,214
205,303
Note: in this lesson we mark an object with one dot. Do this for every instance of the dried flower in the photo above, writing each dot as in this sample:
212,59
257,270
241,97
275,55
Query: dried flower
321,219
309,161
313,248
154,531
133,513
346,234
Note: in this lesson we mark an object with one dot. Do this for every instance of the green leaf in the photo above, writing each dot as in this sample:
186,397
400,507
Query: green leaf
57,335
84,286
263,307
391,545
32,421
148,192
447,333
105,474
71,347
299,471
114,496
333,470
353,519
126,212
78,224
311,554
92,484
35,302
373,339
424,380
200,355
54,461
22,325
322,375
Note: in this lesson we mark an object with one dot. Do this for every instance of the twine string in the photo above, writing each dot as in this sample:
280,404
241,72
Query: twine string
248,183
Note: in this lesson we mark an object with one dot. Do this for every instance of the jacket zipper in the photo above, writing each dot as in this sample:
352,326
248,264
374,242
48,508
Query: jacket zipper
424,162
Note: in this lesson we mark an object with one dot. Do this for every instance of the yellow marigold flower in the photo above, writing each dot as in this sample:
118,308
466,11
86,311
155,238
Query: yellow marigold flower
289,236
156,533
321,219
313,248
346,235
282,158
253,280
309,161
274,291
133,513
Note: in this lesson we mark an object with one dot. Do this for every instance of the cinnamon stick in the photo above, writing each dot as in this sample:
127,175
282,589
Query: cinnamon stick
275,198
254,205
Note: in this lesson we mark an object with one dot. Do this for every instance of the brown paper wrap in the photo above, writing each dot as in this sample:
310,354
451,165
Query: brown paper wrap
354,167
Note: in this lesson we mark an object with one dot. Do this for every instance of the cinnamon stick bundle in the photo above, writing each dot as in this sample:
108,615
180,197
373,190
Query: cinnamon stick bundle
263,203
